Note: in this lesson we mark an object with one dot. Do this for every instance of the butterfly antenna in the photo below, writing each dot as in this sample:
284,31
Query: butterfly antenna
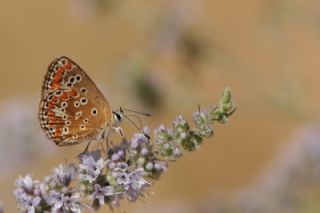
130,110
140,122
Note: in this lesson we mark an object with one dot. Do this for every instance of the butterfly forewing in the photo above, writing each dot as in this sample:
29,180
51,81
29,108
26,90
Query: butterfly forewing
72,108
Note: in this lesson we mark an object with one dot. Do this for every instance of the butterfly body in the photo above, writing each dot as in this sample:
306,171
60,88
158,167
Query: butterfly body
72,109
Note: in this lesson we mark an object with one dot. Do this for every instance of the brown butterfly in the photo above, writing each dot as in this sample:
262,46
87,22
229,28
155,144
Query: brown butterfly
72,109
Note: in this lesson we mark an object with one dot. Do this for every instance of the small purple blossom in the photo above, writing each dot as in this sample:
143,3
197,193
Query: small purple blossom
138,140
160,166
115,157
144,151
149,166
100,193
26,183
28,193
28,202
136,185
64,201
63,175
90,168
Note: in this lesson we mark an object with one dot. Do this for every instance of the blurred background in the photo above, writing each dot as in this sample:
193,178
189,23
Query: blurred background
166,57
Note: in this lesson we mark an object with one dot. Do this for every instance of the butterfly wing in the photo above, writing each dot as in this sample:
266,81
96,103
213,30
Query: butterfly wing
72,108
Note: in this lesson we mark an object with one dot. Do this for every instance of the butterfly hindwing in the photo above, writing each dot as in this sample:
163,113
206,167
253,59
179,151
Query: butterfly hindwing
72,108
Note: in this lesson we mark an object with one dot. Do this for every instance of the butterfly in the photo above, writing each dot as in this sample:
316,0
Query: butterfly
72,109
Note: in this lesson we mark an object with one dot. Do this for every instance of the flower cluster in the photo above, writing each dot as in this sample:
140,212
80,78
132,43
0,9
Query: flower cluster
54,194
126,171
171,143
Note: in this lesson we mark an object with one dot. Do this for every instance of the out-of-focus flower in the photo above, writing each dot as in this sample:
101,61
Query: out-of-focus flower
1,207
19,123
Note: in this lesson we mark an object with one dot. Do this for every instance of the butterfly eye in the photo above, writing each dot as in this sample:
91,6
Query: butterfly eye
118,116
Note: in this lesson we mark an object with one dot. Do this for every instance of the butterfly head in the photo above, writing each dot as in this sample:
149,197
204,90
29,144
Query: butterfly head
117,117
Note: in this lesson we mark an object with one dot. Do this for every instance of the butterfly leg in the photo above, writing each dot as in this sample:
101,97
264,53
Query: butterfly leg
119,131
85,150
102,146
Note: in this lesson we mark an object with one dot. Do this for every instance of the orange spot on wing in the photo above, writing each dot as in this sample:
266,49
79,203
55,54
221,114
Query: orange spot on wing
57,133
57,78
54,99
73,93
50,114
51,105
60,71
68,65
64,96
54,85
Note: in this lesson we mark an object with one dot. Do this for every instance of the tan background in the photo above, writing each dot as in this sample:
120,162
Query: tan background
267,51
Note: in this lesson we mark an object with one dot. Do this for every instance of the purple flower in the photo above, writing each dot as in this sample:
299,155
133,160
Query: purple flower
26,183
136,184
63,175
144,151
122,177
28,193
90,168
100,193
138,140
28,202
160,166
149,166
64,200
115,157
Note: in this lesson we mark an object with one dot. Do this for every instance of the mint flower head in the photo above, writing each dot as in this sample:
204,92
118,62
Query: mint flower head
126,171
27,193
